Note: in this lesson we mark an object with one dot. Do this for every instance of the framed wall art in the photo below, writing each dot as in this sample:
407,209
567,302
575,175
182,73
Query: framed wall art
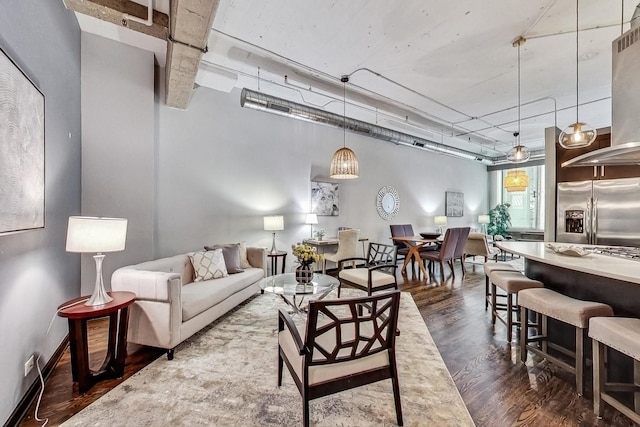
21,150
325,198
454,203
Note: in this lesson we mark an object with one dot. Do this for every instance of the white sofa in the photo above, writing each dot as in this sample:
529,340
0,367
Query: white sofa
170,307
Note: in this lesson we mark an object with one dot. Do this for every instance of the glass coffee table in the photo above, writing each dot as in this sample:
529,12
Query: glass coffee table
294,293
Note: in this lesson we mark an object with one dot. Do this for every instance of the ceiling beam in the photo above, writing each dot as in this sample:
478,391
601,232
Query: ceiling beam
191,22
113,11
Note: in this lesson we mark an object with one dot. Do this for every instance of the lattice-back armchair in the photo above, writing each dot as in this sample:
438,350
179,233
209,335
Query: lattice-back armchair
341,349
374,273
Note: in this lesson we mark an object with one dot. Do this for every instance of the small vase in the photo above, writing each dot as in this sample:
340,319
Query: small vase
304,274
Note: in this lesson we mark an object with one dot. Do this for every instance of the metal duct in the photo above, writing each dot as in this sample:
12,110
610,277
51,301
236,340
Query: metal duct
271,104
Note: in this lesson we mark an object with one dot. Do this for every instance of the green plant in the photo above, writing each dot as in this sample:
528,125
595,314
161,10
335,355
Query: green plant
499,220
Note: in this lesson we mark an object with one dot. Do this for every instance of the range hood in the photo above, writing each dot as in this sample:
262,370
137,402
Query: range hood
625,105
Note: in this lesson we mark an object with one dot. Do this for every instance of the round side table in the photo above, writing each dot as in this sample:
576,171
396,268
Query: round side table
274,261
78,316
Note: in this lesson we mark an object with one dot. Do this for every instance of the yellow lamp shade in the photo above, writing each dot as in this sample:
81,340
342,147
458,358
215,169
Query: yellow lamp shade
516,181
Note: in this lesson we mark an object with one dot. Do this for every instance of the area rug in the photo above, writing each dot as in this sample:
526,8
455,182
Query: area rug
226,375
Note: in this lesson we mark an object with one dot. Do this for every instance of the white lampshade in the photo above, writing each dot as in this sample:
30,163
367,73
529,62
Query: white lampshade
483,219
95,234
273,223
311,219
440,220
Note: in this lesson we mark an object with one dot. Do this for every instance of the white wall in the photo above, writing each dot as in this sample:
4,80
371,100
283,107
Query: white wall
117,147
36,274
222,167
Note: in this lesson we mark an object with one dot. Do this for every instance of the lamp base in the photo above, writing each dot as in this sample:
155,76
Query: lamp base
273,244
100,295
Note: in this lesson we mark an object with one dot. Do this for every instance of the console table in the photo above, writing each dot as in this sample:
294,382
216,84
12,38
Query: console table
78,315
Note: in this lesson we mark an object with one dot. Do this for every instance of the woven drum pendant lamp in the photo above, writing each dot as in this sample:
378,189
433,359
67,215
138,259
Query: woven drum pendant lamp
516,181
578,134
344,164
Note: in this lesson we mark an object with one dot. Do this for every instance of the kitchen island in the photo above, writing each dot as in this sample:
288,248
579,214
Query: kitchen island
593,277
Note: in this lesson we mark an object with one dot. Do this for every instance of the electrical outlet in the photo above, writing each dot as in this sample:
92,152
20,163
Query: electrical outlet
29,364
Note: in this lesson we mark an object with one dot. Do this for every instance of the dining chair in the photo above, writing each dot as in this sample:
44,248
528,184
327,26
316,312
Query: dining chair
341,347
445,253
374,273
401,230
347,247
477,245
463,234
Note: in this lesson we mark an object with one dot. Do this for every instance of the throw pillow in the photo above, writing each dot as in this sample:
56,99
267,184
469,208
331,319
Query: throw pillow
231,254
244,261
208,265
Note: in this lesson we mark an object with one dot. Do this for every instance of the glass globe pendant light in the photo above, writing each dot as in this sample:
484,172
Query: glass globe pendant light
578,134
344,164
519,153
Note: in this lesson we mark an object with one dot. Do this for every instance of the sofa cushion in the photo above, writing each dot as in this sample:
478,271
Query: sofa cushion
208,265
244,261
231,254
198,297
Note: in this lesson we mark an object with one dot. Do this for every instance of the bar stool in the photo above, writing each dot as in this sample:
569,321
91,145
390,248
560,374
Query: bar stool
511,282
575,312
621,334
488,268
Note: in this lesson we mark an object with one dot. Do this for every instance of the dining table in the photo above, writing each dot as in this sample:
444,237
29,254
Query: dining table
414,244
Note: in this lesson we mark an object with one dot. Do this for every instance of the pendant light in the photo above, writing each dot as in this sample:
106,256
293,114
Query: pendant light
578,134
519,153
344,164
516,181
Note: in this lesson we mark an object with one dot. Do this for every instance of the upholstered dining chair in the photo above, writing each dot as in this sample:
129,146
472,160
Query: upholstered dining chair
374,273
445,253
406,230
463,234
477,245
342,347
347,247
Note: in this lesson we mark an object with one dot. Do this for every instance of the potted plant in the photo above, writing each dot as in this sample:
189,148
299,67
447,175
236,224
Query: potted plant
499,220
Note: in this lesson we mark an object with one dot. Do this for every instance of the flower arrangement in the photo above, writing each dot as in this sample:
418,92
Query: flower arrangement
306,254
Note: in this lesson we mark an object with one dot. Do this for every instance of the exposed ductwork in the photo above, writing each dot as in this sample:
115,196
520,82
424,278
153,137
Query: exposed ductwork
271,104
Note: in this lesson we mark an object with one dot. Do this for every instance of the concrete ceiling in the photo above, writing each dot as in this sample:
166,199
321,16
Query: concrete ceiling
444,71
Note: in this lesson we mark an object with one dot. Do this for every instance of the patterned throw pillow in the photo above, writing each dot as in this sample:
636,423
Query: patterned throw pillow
208,265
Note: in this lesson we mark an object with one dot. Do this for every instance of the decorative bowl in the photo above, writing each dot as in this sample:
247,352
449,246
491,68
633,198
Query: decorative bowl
430,235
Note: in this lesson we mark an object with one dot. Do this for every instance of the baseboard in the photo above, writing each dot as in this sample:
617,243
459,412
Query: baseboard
30,396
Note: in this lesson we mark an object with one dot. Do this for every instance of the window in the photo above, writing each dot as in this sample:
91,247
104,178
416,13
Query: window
527,207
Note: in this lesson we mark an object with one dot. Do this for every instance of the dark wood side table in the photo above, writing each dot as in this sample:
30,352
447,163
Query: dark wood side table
274,261
78,315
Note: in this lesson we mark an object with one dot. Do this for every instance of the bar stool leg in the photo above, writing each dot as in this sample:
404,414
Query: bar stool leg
493,304
580,361
524,333
636,380
599,377
509,316
543,332
486,292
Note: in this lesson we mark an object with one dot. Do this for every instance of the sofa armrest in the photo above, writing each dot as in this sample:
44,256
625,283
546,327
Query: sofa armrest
148,285
258,258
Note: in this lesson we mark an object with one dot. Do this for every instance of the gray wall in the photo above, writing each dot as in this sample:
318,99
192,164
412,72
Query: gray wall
36,274
117,147
221,168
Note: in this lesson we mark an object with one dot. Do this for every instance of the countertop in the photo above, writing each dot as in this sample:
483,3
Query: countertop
596,264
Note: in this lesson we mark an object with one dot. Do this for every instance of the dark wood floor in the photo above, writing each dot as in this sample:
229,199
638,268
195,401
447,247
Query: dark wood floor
496,387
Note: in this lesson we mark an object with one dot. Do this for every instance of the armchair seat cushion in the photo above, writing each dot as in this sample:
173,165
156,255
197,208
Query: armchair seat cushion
360,276
197,297
322,373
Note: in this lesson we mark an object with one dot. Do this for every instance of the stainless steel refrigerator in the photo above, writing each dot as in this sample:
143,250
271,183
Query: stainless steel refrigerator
605,212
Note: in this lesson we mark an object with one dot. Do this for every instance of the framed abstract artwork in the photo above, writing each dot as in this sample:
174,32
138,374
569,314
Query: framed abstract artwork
325,198
21,150
454,203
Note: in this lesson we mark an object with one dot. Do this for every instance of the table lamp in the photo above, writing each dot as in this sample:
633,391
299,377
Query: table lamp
96,235
440,221
311,219
273,223
483,220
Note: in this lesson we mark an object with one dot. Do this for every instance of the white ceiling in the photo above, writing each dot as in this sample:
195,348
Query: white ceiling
448,70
